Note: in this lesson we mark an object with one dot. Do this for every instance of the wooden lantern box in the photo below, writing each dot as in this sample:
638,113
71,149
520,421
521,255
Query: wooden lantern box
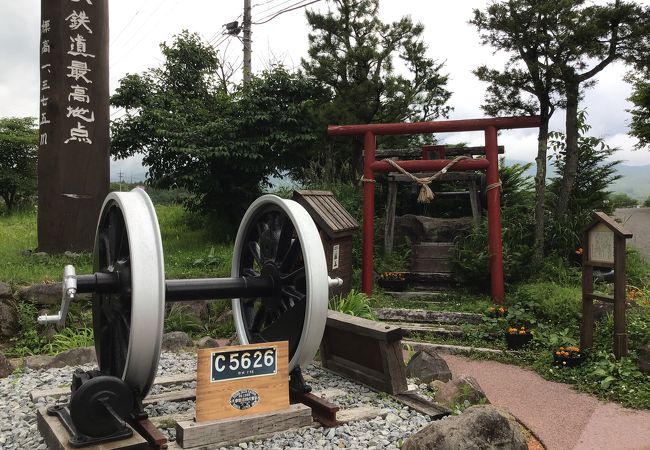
336,227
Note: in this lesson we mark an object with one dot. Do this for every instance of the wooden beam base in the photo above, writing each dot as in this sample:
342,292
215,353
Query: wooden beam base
56,436
375,359
224,432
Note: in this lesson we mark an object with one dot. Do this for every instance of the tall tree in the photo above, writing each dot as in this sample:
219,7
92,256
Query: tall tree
352,52
220,146
563,44
640,98
589,38
527,84
596,171
18,158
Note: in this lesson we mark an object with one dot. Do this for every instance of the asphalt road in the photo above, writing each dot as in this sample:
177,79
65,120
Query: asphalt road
637,222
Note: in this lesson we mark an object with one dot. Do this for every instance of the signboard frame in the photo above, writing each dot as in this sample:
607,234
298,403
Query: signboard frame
241,394
595,255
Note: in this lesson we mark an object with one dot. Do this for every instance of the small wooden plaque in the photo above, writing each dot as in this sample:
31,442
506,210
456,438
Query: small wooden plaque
601,244
242,380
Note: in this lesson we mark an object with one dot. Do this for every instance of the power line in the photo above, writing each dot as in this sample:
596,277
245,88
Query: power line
292,8
272,7
117,37
263,3
143,34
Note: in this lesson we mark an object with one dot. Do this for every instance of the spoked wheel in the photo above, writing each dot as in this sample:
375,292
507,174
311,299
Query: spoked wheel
128,323
277,238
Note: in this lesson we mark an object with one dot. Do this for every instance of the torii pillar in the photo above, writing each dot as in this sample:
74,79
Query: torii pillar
73,155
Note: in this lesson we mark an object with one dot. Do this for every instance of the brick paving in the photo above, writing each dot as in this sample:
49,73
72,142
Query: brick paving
562,418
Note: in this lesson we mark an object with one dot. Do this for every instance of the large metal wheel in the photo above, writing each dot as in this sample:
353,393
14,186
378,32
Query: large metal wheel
128,324
278,238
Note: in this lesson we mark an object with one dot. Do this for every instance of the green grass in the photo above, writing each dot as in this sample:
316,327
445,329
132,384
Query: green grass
190,249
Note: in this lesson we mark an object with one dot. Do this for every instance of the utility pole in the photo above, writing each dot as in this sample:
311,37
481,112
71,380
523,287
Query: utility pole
247,41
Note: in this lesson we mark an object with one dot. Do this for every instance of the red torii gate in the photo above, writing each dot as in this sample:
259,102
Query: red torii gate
490,164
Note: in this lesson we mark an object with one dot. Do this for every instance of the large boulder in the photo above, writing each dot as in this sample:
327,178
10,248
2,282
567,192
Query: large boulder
429,229
75,357
458,391
208,342
6,368
428,366
644,359
176,340
8,319
46,294
42,293
478,428
69,358
5,290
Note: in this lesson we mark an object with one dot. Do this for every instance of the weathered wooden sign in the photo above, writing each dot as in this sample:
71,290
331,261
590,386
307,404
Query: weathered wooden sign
73,155
242,380
603,245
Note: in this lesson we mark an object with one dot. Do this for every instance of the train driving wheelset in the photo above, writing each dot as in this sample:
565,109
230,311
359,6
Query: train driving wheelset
278,286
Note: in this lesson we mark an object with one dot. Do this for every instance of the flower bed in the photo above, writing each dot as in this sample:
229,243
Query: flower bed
497,312
517,338
568,356
393,281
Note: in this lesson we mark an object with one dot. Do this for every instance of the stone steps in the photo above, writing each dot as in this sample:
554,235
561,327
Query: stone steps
447,348
442,331
428,317
432,257
416,296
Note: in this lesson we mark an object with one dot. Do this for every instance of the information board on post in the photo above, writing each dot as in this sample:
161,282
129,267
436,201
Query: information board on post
601,244
242,380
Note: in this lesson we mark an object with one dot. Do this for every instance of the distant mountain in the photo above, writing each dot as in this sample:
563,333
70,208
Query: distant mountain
634,181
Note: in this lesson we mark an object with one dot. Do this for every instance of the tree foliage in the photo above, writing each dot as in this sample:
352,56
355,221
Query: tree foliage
219,146
354,56
640,98
527,84
563,45
621,200
591,37
18,160
595,174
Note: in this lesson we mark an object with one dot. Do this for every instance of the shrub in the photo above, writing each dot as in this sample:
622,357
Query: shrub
355,304
70,338
548,303
471,257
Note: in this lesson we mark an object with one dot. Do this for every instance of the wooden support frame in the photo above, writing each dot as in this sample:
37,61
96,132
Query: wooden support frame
233,430
603,245
366,351
391,201
56,436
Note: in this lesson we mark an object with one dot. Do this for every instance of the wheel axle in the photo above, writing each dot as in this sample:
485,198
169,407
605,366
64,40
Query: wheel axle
186,289
278,284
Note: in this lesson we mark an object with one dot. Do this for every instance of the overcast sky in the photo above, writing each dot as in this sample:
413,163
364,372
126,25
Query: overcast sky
137,27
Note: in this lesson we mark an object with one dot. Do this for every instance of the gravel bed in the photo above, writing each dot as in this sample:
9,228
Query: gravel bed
18,413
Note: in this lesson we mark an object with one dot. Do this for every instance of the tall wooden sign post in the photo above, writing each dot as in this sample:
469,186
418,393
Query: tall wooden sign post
603,245
73,156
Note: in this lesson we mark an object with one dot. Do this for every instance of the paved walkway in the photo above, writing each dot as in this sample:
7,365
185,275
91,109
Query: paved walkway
562,418
637,222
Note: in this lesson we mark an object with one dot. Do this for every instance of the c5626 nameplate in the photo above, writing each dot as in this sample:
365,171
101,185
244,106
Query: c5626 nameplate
242,380
232,365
